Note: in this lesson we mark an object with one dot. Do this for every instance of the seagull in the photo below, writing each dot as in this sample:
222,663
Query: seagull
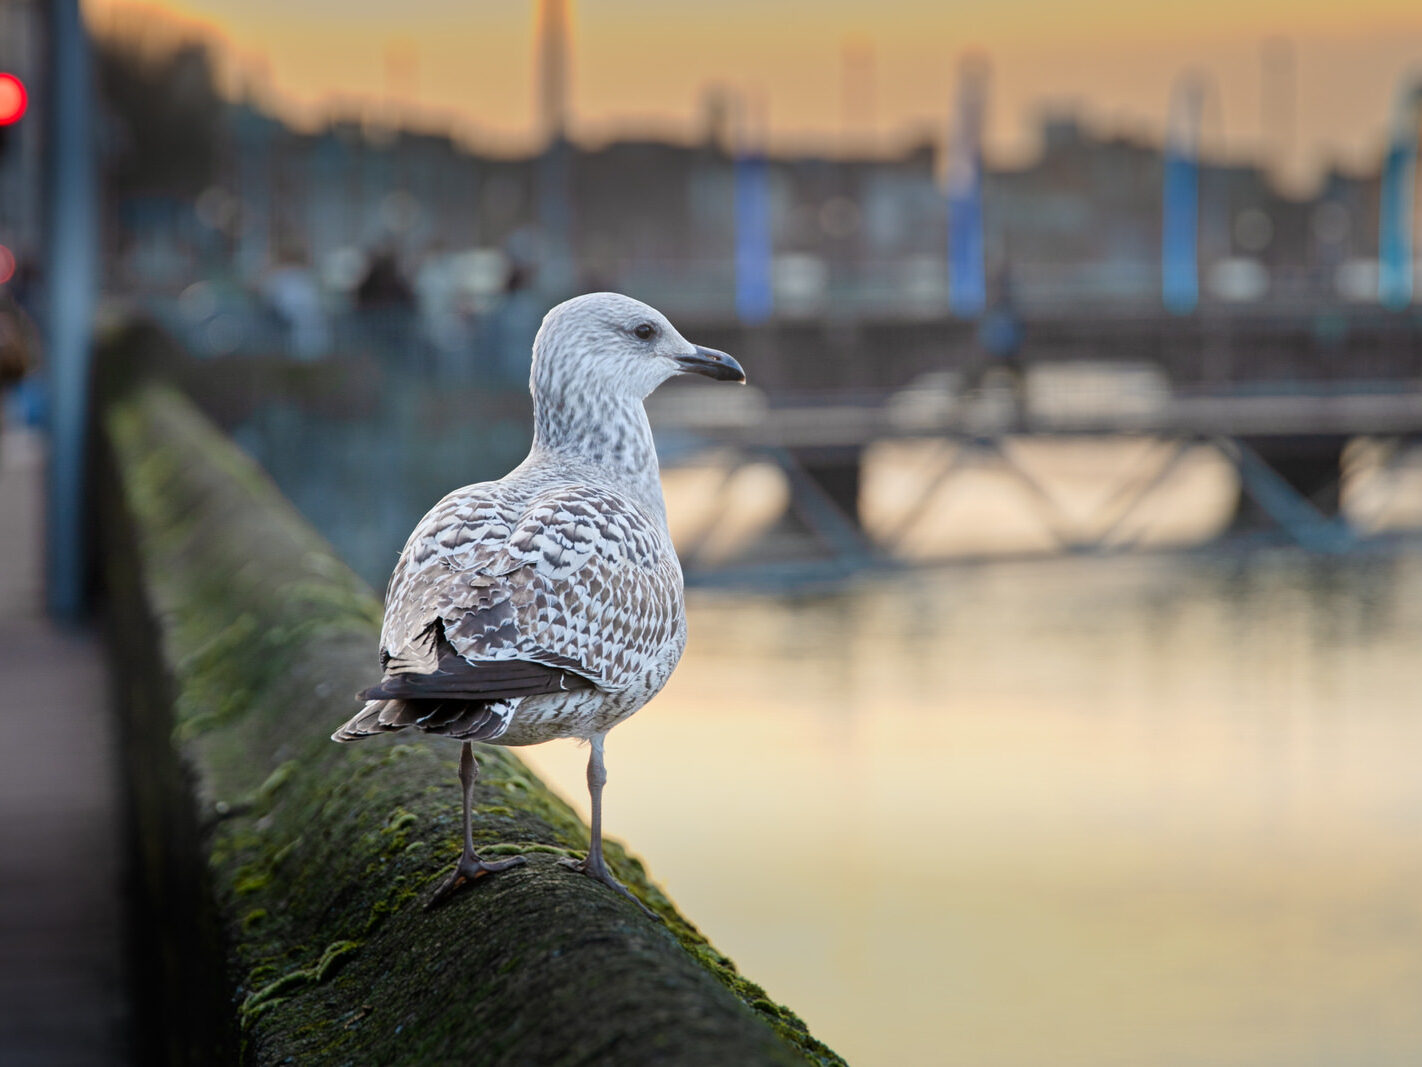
548,603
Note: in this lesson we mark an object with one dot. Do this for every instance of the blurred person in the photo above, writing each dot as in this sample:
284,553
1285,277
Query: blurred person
514,322
385,308
384,288
290,290
444,314
24,285
19,356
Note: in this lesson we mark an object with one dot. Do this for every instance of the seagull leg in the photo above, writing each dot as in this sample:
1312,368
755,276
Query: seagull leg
594,866
470,866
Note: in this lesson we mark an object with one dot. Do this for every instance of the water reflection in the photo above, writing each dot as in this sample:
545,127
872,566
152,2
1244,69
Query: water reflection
1126,811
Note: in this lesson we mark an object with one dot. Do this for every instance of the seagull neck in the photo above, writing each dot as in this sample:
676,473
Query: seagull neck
610,435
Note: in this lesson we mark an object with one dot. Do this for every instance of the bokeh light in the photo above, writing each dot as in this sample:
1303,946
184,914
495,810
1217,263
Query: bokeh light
13,99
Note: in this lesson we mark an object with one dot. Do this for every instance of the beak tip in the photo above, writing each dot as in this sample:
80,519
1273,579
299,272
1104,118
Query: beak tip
710,363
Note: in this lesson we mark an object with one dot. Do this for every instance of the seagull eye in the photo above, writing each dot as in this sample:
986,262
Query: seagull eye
645,331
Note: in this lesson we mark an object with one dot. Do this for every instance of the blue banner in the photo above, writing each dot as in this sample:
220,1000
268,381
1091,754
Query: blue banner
1395,224
1179,245
754,296
967,283
967,271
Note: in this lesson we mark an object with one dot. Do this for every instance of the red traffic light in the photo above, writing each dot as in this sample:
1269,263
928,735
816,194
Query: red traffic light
13,99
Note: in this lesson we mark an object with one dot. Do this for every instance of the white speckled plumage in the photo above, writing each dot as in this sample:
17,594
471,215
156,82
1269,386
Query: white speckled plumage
566,562
548,569
548,603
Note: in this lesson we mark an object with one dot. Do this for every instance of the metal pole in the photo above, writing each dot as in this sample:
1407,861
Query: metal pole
71,239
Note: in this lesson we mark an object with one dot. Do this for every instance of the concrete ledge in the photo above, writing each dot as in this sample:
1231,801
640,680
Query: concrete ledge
281,877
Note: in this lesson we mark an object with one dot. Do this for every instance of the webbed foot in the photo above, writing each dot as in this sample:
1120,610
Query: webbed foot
597,870
470,868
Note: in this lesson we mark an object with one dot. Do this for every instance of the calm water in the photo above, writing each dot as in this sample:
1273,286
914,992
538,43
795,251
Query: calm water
1138,810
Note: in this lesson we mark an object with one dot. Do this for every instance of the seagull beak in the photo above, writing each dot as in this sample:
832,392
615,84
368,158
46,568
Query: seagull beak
712,364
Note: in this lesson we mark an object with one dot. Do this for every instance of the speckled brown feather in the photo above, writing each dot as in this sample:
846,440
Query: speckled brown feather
564,564
569,576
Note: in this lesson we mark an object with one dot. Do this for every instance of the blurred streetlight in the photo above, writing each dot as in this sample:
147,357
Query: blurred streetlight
13,99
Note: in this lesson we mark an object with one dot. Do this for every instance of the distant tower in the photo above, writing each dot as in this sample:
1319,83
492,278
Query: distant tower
402,63
857,103
553,69
1276,104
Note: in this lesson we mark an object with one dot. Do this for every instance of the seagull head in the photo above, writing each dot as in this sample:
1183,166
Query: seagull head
611,344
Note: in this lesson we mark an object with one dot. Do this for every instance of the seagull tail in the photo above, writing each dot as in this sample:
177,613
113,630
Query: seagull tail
466,720
377,717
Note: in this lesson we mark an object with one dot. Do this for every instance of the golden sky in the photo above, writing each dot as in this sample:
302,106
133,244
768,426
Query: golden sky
646,62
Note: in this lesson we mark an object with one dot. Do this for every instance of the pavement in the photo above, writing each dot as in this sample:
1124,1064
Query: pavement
61,905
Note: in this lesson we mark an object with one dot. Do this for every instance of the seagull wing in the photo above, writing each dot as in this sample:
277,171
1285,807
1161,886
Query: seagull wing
573,584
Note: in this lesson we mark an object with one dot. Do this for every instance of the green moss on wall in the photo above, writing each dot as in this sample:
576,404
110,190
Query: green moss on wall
321,856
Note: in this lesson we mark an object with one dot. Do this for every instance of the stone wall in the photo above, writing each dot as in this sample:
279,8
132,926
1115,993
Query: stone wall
281,878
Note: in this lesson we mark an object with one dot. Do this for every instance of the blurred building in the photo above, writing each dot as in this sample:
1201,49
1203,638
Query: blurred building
1082,222
1079,227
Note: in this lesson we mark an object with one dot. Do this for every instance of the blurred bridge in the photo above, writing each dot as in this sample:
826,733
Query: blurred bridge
1218,347
1279,391
1280,395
